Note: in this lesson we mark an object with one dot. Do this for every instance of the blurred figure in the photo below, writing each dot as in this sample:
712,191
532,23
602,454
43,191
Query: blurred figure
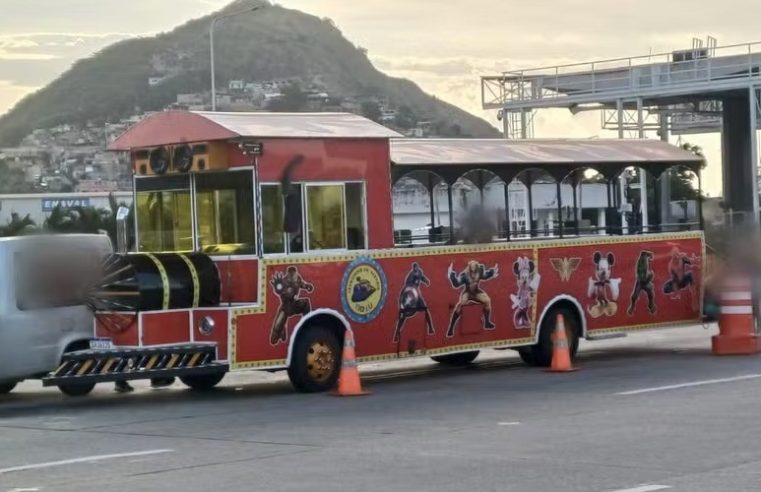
476,227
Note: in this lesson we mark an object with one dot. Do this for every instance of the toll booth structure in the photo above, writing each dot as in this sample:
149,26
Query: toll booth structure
706,88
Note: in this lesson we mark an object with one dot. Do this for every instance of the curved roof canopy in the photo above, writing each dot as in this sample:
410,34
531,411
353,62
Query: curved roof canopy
173,127
451,158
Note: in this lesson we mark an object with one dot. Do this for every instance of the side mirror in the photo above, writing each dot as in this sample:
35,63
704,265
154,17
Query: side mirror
121,230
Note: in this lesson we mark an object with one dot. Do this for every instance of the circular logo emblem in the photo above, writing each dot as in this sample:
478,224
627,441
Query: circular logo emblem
363,289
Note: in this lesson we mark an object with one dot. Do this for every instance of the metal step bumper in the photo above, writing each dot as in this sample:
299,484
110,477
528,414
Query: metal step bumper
129,363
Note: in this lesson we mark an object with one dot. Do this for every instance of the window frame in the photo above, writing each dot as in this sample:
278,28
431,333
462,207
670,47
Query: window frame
305,217
194,209
135,223
258,223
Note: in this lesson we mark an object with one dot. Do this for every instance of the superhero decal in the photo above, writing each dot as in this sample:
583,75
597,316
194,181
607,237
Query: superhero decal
603,288
288,288
680,276
411,300
565,267
528,284
469,283
644,282
363,289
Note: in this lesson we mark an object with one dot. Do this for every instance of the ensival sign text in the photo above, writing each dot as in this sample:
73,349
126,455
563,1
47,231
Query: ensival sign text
48,204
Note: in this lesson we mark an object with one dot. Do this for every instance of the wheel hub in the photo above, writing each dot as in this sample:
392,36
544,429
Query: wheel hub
321,360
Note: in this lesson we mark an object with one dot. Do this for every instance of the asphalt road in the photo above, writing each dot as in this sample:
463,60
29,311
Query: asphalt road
651,412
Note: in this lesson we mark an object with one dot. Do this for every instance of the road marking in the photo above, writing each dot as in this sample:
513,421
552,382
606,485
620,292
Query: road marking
84,459
689,385
645,488
504,424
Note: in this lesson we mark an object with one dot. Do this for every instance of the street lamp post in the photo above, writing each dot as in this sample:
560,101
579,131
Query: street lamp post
211,49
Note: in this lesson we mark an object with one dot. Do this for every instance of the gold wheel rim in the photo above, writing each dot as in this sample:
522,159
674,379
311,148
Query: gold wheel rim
321,360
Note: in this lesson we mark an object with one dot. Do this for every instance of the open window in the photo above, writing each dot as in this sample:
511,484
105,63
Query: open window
164,218
225,213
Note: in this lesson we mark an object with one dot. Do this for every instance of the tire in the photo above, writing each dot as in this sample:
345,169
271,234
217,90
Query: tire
305,375
540,355
460,359
202,382
6,388
73,389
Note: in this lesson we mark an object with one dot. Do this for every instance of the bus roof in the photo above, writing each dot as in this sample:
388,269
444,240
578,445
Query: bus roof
555,156
173,127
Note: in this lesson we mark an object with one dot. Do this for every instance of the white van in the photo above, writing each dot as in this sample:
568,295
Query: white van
44,282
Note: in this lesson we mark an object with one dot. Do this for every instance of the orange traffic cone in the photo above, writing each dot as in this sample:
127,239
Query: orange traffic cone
561,354
349,383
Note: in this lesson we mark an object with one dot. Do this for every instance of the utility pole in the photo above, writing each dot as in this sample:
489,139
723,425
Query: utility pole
211,49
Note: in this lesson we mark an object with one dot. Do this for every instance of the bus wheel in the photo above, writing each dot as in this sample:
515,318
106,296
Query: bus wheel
202,382
6,388
540,355
78,389
461,359
315,360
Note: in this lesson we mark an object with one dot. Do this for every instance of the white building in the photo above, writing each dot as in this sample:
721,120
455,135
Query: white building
412,206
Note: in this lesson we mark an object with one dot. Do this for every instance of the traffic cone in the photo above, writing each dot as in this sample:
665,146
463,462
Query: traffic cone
561,354
737,325
349,383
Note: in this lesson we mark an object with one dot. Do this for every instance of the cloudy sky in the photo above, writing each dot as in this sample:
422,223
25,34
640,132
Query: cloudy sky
443,46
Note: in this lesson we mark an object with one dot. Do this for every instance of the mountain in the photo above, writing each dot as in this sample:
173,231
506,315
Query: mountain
271,43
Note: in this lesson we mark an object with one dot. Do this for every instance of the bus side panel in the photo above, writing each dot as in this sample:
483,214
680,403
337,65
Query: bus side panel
165,327
218,335
129,334
238,280
625,285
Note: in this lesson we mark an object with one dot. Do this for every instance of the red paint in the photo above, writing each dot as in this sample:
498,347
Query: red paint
126,338
335,160
171,127
238,280
165,327
376,337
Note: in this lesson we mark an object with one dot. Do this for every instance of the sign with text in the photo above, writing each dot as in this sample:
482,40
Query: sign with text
48,204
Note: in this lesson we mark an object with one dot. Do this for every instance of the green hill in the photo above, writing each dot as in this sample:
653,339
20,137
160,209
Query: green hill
272,43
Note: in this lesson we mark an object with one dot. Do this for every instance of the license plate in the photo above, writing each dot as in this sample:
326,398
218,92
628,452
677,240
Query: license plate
101,344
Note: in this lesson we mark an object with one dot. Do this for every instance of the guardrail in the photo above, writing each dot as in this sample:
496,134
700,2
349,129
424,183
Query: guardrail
662,70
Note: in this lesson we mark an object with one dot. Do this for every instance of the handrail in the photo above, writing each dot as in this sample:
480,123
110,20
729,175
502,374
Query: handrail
626,73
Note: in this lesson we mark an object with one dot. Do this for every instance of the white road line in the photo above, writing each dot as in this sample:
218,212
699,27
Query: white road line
645,488
505,424
690,385
84,459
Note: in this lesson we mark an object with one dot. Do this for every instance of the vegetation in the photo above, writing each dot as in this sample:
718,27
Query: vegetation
76,220
272,43
13,180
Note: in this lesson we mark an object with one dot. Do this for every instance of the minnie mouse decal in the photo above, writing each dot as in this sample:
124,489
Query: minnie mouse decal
523,300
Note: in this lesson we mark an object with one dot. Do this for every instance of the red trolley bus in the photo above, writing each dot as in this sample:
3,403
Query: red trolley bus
261,238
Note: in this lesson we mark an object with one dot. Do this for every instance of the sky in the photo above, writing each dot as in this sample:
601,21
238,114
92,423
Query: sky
443,46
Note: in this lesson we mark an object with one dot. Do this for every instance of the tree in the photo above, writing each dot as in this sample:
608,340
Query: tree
682,185
372,111
405,117
291,100
18,226
13,180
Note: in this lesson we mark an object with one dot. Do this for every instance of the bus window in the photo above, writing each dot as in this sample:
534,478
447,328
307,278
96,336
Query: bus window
274,219
326,217
355,215
164,221
225,212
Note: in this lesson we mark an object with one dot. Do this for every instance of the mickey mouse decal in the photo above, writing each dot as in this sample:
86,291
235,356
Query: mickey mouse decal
603,288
